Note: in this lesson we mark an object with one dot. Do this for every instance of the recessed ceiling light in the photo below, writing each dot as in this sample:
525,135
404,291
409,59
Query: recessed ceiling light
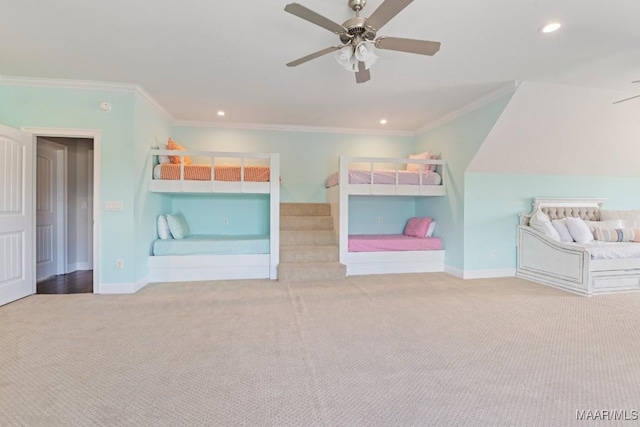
383,121
221,113
550,27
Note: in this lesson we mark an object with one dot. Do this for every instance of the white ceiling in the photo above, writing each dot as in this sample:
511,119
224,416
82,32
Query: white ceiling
197,57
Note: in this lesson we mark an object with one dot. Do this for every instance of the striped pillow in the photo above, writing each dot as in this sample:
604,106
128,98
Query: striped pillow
617,234
417,227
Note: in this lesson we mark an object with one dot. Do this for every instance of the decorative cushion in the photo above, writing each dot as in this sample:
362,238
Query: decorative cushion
162,159
172,145
561,227
415,167
617,234
431,229
630,217
163,228
541,222
178,226
417,227
610,223
579,230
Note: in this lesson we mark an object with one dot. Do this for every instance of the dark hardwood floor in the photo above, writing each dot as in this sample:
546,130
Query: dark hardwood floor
79,282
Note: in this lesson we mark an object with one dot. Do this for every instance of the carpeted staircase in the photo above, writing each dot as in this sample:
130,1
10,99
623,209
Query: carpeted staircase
308,249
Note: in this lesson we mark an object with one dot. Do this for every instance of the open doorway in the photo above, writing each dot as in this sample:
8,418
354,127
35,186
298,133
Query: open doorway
64,205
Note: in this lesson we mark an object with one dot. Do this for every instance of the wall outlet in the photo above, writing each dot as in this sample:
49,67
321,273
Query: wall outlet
380,220
225,221
119,264
494,254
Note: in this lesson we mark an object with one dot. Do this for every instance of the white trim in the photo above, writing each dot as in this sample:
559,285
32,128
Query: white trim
208,267
96,136
394,262
123,288
454,271
488,274
292,128
89,85
491,96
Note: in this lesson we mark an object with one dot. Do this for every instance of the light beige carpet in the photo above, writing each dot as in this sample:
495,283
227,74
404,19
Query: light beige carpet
418,349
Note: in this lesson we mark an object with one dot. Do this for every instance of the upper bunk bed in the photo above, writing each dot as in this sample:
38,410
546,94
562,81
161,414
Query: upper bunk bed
257,173
389,176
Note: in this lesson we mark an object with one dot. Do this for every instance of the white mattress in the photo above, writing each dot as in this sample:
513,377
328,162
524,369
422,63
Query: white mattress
612,250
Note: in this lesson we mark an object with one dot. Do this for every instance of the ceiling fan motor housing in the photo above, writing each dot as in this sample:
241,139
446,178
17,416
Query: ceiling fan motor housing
356,31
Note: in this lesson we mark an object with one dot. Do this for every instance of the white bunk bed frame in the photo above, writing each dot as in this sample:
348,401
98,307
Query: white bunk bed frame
566,266
221,267
388,262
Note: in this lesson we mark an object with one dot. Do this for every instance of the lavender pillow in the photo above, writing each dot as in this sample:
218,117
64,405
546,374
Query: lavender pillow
417,226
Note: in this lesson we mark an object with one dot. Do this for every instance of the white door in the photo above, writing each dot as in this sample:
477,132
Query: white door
16,215
47,251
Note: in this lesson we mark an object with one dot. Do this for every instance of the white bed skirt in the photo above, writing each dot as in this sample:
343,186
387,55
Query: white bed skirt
393,262
208,267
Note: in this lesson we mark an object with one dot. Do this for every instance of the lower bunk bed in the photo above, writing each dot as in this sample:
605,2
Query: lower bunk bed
393,253
210,257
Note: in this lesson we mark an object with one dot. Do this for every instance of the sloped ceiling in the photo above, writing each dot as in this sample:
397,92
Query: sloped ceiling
198,57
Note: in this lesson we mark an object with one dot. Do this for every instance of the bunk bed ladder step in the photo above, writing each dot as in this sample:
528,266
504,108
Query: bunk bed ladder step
308,249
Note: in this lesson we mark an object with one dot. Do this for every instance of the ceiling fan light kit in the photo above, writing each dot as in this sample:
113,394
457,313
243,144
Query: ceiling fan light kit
358,37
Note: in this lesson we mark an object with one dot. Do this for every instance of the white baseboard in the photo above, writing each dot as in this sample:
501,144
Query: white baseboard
123,288
480,274
78,266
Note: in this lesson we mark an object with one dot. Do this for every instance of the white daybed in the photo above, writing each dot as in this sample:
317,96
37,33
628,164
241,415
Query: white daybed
571,266
398,183
236,178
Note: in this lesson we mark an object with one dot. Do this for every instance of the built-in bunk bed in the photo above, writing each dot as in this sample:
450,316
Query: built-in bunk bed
217,257
371,176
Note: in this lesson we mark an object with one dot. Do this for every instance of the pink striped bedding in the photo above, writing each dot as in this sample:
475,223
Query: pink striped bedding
392,242
384,176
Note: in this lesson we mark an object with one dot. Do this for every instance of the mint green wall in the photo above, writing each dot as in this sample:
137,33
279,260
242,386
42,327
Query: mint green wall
306,158
150,130
496,199
79,109
244,213
365,213
457,141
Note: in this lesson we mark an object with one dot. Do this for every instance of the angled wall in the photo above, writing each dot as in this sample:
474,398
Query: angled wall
550,141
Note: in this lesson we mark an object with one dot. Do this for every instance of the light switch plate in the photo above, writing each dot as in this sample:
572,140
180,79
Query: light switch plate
113,205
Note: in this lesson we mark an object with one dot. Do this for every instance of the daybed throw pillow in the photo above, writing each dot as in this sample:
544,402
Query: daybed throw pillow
417,227
579,230
163,228
172,145
611,223
631,218
539,221
617,234
178,226
561,227
415,167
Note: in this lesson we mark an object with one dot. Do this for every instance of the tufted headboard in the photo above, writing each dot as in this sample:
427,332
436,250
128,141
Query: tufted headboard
587,209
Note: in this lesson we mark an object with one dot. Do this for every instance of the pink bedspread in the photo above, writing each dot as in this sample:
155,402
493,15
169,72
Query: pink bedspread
392,242
384,176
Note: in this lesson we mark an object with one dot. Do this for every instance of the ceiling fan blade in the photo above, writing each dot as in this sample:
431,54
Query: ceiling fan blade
309,15
627,99
363,74
421,47
313,56
385,12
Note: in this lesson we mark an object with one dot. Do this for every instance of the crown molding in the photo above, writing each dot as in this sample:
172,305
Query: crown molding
89,85
483,100
292,128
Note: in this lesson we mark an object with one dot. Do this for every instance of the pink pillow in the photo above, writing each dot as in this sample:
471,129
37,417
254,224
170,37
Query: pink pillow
415,167
417,227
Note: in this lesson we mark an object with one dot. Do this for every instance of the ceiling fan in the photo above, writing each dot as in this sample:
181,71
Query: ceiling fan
630,98
358,36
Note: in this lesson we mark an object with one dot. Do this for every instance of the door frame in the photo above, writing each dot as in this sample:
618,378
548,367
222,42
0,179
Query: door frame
78,133
62,155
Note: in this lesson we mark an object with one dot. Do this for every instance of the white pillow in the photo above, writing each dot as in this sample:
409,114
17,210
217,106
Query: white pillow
178,226
631,218
561,227
611,223
162,158
431,229
579,230
541,222
163,228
